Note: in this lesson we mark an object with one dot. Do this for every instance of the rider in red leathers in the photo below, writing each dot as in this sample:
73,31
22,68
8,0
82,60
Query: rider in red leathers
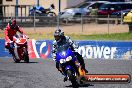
11,29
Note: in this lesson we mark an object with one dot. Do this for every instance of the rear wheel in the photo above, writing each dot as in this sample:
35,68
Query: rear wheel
81,80
72,78
51,14
25,56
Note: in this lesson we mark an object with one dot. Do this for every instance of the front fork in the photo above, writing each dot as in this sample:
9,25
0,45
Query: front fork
15,49
73,68
19,51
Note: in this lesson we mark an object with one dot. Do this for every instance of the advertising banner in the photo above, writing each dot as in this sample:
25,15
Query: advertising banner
105,49
88,49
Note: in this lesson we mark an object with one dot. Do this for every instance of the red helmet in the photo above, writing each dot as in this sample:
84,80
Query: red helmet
12,23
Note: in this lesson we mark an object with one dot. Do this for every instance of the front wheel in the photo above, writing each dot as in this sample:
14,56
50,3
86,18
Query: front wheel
72,78
16,60
25,56
15,57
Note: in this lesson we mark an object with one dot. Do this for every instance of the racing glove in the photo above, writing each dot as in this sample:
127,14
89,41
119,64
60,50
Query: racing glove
54,57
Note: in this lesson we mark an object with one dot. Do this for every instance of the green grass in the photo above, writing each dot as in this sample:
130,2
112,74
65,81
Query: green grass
116,36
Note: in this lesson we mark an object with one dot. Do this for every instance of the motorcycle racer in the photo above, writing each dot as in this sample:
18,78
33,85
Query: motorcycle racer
61,39
11,29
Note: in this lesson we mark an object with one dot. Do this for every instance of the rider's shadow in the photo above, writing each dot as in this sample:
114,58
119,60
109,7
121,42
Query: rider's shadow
29,62
85,85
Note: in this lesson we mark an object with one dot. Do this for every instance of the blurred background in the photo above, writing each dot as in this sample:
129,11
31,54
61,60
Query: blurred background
82,16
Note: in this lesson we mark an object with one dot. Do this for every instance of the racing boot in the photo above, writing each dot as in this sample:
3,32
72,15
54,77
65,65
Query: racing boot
65,79
86,71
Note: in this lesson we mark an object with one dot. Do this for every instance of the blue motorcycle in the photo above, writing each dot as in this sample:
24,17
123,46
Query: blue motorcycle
41,11
69,65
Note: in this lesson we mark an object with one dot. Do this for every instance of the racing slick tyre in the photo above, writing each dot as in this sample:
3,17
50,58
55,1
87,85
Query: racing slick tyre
82,80
14,57
51,14
16,60
26,57
72,78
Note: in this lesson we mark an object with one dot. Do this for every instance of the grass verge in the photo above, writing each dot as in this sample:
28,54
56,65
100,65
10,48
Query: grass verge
49,36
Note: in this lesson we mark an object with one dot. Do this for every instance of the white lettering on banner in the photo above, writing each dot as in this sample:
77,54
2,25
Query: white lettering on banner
41,47
97,52
82,49
113,50
107,52
34,48
89,51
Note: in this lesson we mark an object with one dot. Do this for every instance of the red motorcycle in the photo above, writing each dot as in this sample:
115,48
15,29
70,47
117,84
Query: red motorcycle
20,48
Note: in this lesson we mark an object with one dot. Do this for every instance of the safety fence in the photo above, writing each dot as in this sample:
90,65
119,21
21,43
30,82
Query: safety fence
116,50
84,24
81,19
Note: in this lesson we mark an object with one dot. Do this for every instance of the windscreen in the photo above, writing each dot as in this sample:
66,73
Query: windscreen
63,47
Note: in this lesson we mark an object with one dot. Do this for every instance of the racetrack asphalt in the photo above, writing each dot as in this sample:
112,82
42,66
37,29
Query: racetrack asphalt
41,73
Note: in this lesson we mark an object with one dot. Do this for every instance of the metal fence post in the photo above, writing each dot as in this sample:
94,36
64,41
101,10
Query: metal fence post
121,17
108,22
58,21
82,21
34,20
59,13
